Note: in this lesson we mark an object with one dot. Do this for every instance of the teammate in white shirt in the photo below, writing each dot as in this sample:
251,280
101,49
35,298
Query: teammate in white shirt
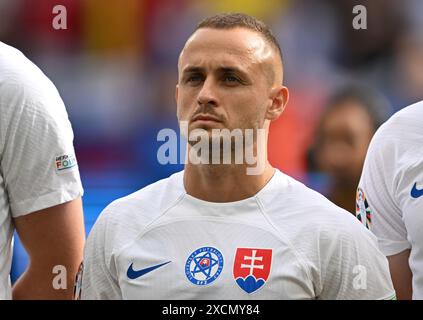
40,187
390,197
215,232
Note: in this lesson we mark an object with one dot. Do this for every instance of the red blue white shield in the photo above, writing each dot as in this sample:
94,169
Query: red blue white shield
252,268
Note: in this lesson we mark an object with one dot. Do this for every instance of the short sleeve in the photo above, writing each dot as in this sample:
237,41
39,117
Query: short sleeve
38,161
376,205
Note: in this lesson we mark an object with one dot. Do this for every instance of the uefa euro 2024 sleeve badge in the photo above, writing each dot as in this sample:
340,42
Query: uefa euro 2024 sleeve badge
78,283
362,209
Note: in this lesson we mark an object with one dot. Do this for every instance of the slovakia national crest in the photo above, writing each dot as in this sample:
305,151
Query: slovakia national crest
252,268
204,265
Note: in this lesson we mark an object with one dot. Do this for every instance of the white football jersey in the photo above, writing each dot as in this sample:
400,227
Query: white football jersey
37,161
286,242
390,193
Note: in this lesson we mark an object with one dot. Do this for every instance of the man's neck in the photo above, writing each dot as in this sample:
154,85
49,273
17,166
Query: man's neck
224,183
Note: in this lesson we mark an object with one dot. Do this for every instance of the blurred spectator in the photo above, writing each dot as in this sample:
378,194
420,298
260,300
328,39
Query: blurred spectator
343,135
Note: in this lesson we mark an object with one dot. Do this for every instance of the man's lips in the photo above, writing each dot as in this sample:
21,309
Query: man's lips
205,118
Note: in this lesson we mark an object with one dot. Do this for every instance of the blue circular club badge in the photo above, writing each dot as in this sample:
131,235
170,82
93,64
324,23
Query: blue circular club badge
204,266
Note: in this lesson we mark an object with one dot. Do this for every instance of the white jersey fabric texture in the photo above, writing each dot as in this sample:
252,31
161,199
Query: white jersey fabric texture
390,193
286,242
38,167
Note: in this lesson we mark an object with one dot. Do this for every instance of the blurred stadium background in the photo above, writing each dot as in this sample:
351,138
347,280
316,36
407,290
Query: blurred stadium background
115,67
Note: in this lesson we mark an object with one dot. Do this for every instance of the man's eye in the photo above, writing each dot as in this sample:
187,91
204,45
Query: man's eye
231,79
194,79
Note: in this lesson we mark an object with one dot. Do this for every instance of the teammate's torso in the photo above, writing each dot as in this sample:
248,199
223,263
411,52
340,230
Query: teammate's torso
34,130
396,178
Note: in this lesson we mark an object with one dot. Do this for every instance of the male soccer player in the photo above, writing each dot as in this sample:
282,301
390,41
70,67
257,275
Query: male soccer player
40,187
390,197
214,231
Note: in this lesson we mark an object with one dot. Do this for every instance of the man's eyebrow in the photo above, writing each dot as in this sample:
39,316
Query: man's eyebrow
192,69
224,69
231,70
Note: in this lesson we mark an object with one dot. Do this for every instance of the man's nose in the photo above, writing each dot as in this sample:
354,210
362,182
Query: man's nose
208,94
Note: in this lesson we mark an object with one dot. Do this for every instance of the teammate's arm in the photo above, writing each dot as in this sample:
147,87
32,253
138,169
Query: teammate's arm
53,236
401,275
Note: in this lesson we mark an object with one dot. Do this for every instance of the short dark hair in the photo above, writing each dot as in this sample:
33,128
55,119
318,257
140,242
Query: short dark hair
234,20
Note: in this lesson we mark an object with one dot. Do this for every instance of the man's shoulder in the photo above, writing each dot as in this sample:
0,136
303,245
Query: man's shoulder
294,206
21,80
313,226
149,202
396,146
289,194
125,218
413,112
15,66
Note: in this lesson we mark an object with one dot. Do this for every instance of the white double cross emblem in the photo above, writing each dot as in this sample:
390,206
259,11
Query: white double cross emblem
253,259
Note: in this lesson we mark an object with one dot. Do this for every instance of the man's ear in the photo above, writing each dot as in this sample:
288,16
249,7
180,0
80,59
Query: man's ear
176,93
279,98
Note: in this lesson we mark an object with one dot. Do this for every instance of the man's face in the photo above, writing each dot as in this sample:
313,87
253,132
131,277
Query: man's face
226,80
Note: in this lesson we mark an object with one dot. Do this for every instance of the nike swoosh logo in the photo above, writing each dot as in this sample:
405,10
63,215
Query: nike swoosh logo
416,193
133,274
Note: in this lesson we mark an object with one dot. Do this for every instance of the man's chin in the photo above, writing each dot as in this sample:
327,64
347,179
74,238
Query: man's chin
200,133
